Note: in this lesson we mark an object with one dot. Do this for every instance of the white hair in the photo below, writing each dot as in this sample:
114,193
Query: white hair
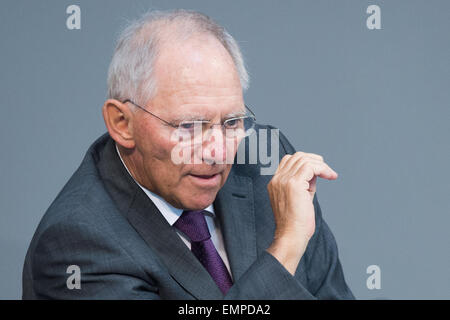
130,74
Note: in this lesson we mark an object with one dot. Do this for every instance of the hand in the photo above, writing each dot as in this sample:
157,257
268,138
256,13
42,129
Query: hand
291,193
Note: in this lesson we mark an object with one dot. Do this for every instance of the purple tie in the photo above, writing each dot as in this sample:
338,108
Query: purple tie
193,225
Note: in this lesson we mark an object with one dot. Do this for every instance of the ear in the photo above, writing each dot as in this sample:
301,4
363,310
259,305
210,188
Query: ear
118,120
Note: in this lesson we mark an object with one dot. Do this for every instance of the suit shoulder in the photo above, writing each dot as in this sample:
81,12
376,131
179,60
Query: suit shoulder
74,201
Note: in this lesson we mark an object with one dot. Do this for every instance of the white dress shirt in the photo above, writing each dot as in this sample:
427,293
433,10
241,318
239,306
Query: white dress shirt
171,214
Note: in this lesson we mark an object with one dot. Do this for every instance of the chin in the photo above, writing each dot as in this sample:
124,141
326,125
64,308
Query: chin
197,202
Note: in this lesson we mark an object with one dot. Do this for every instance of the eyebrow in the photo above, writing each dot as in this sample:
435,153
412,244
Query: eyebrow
203,118
236,114
190,118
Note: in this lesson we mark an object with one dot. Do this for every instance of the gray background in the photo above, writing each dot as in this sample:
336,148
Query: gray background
374,103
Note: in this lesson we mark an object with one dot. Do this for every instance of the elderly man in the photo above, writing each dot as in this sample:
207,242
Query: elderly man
136,222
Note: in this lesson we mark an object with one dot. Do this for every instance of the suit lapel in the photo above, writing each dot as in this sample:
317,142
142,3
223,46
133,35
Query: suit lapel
151,225
234,206
159,235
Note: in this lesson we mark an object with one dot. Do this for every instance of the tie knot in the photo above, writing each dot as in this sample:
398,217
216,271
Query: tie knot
193,225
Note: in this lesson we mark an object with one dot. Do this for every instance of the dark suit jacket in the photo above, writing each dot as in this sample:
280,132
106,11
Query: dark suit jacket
104,223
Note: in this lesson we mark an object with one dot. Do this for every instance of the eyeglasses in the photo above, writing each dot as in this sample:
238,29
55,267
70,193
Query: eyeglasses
239,126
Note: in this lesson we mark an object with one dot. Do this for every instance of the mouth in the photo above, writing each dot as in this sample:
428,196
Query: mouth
204,180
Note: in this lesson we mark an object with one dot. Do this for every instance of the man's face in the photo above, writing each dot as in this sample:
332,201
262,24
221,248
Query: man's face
196,80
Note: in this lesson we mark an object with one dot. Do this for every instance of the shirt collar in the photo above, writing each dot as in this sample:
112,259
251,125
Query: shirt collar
170,213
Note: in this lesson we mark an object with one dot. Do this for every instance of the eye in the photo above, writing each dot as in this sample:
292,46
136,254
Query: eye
233,123
191,125
187,125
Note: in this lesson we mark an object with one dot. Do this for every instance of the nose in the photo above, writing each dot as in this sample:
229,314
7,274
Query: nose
214,146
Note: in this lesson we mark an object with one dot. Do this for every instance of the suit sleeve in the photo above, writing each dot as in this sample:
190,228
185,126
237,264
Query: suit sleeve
106,271
326,277
268,279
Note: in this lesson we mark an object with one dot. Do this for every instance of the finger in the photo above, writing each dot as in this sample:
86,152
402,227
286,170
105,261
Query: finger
296,157
287,167
295,163
283,162
310,169
314,156
287,161
300,162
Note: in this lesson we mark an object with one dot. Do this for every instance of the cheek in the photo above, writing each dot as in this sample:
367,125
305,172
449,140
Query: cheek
149,141
155,148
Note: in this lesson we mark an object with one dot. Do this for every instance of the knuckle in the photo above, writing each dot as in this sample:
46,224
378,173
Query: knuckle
272,183
316,156
283,181
299,154
291,183
302,162
307,165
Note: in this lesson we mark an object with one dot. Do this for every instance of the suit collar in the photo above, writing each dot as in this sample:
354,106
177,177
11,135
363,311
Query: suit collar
233,206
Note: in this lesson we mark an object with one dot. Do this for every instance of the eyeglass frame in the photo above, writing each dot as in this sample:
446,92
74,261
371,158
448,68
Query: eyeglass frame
176,126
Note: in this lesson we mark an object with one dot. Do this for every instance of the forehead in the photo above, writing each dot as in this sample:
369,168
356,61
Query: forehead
193,60
197,75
